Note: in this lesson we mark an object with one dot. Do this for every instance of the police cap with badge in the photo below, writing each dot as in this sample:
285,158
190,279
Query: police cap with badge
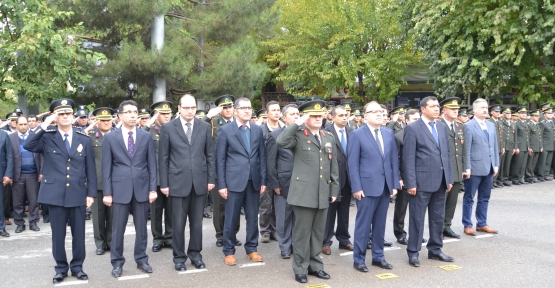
262,113
81,111
496,108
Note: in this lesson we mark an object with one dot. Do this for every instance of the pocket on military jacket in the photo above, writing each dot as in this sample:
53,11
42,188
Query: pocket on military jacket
310,153
302,177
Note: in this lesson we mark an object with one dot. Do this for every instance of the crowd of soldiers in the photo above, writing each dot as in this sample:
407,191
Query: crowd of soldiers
526,144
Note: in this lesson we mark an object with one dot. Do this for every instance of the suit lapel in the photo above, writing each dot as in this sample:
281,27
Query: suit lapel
119,137
239,136
196,128
371,138
426,131
338,142
179,128
58,139
252,138
75,142
477,126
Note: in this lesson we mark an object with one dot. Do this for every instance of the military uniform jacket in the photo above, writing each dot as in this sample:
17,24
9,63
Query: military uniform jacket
96,138
395,126
535,136
154,131
456,144
215,124
521,136
509,136
353,125
499,127
315,175
67,178
548,137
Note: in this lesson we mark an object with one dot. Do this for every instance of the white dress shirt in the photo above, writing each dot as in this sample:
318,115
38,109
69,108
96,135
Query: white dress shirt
125,134
379,136
184,124
337,130
69,135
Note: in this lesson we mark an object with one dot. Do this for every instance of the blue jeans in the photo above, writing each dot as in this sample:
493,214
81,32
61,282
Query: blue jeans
482,185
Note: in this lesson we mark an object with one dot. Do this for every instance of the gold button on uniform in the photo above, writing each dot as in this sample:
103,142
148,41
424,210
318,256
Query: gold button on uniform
320,176
67,184
67,176
67,168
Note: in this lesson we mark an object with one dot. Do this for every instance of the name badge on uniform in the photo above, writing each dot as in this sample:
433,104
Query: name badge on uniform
328,149
79,148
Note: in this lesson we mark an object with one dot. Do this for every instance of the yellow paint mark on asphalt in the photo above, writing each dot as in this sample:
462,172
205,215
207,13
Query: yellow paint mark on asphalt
386,276
450,267
321,285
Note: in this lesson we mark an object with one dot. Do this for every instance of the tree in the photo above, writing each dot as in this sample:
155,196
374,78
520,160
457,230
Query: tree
39,52
486,47
326,44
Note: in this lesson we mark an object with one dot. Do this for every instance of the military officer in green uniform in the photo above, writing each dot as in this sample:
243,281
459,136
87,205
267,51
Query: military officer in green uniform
495,111
462,117
518,164
314,183
544,107
450,110
144,116
509,140
397,124
161,238
217,117
101,214
548,141
200,114
356,122
536,146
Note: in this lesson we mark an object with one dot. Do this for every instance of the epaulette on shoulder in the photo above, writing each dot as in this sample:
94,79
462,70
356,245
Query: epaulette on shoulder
329,133
50,130
82,133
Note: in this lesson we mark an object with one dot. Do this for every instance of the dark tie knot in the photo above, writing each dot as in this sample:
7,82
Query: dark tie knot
188,125
432,123
130,133
244,127
65,135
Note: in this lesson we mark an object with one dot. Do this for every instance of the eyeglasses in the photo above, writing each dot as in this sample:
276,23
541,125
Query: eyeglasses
135,112
244,108
374,111
189,108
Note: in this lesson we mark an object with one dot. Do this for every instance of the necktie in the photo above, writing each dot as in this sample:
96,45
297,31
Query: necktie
188,132
130,145
453,128
434,132
67,143
317,139
246,137
378,141
343,141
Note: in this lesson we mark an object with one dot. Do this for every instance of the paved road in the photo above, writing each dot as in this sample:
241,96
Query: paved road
521,255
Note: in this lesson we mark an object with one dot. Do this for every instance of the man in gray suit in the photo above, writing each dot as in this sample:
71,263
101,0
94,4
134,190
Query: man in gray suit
428,176
482,164
6,170
187,173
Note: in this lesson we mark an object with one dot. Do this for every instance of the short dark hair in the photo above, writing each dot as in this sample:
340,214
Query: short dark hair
270,104
241,99
286,107
424,102
332,112
17,120
32,116
125,103
411,112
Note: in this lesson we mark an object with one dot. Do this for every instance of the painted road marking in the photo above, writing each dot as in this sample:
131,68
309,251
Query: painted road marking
451,240
449,267
252,264
133,277
483,236
386,276
321,285
192,271
69,283
385,249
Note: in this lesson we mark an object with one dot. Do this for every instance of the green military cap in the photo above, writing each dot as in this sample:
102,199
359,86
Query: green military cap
545,106
506,110
548,110
62,105
347,107
397,110
12,116
225,100
522,109
314,108
470,112
200,114
357,112
535,112
514,112
496,108
462,112
162,107
451,103
144,113
103,113
262,113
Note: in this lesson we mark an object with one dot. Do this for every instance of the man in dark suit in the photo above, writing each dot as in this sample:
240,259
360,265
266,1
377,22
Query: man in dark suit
374,173
280,167
340,208
187,173
241,166
6,171
129,183
68,184
26,171
482,164
428,176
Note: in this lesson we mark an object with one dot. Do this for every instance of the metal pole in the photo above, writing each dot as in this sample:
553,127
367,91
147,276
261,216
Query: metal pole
159,92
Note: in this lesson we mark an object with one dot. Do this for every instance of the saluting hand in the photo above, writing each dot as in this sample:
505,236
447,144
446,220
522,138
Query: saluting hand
300,121
90,201
214,111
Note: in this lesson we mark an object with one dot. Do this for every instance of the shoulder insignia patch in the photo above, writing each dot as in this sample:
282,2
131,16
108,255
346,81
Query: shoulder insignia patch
82,133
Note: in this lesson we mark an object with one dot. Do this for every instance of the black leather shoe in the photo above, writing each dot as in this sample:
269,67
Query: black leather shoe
59,277
180,267
369,245
441,257
206,215
285,255
238,243
156,248
523,182
541,179
403,240
20,228
360,267
80,275
424,240
3,233
166,245
199,264
33,226
500,184
45,220
219,243
301,278
548,179
387,243
145,267
451,234
382,264
414,262
320,274
88,217
507,183
100,251
117,271
516,183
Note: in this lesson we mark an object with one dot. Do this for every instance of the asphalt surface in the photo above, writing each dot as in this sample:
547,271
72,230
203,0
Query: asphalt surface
521,255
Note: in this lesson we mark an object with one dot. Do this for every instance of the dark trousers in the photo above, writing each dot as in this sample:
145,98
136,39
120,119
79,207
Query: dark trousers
102,222
308,236
120,215
531,166
506,171
401,204
435,202
8,201
267,219
371,216
544,164
482,185
2,217
341,210
498,178
518,166
161,206
250,200
58,223
191,207
27,184
285,222
218,210
450,205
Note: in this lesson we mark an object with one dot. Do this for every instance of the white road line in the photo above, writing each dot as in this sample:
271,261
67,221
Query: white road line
391,248
346,253
483,236
451,240
252,264
193,271
69,283
133,277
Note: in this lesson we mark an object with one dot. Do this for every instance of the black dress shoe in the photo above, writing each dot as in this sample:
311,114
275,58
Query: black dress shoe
360,267
414,262
166,245
206,215
33,226
319,274
541,180
500,184
451,234
548,179
424,240
403,240
180,267
145,267
80,275
156,248
382,264
516,183
59,277
387,243
507,183
100,251
523,182
3,233
285,255
369,244
301,278
45,220
20,228
441,257
219,243
117,271
238,243
88,217
198,264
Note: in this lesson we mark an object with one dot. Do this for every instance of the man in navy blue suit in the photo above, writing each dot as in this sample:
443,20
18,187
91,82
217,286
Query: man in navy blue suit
428,177
241,170
374,174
